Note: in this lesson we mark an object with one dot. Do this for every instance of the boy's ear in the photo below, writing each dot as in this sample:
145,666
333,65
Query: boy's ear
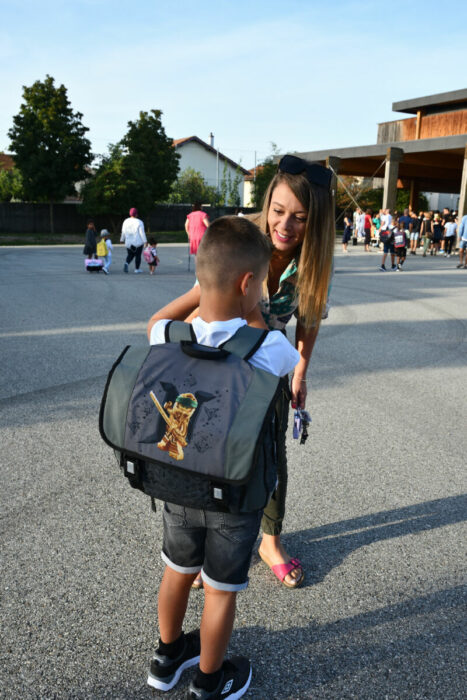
244,281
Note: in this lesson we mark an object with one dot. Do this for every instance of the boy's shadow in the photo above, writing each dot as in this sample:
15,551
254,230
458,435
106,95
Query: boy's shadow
321,549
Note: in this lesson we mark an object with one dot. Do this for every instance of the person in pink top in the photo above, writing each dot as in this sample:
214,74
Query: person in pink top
195,225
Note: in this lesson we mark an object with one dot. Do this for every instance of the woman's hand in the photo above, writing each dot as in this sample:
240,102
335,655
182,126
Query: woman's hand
304,342
299,391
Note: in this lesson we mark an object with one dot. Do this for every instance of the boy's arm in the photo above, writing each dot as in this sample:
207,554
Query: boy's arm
179,309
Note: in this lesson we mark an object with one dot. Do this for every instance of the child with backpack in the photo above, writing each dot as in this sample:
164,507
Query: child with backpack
400,243
232,262
104,250
150,255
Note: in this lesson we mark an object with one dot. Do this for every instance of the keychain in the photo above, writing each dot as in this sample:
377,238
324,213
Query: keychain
301,421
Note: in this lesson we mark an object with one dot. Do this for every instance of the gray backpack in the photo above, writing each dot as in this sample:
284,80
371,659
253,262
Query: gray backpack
193,424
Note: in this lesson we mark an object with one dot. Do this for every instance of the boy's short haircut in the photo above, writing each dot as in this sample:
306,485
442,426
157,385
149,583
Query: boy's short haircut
230,247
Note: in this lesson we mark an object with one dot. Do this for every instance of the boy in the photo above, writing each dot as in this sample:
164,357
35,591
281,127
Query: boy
231,264
400,243
387,238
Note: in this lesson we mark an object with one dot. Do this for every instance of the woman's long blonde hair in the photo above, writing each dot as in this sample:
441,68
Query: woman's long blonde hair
316,253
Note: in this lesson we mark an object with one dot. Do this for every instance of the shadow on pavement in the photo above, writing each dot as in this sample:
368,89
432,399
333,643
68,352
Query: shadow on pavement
327,546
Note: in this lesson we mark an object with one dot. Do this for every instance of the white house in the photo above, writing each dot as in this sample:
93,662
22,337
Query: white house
206,159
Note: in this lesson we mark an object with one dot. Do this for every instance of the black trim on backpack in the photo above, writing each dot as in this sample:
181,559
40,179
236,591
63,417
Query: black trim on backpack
256,346
203,352
104,397
167,332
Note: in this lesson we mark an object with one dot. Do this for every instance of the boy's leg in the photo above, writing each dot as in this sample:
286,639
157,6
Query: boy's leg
216,627
173,599
183,552
229,543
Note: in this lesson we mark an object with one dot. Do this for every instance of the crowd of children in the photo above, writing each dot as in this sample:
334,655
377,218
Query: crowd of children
430,232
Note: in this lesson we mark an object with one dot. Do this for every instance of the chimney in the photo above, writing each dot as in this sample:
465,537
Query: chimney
211,137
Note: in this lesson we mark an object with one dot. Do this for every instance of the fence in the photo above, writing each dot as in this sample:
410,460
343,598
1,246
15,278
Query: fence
19,217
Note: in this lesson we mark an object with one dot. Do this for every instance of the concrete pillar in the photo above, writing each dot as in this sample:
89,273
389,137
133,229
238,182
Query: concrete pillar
391,173
333,162
463,192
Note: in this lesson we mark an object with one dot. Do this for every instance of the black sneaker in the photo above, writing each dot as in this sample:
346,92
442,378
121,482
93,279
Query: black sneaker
236,677
382,268
125,267
164,673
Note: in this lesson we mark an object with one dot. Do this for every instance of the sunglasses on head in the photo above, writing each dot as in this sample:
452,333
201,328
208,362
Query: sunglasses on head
315,173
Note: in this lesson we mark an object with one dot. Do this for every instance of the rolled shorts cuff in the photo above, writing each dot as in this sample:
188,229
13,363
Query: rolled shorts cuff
178,568
219,586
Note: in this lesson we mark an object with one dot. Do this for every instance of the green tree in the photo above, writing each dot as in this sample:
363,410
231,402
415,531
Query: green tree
11,185
191,187
403,199
117,185
149,148
264,174
138,171
234,197
349,191
49,143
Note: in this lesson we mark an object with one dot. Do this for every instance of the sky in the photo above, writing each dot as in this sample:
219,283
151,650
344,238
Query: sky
302,74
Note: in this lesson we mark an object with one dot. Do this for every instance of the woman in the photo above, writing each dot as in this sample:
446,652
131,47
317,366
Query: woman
347,235
195,225
367,229
298,217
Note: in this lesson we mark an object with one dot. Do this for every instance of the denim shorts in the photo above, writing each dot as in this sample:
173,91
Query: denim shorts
217,544
388,247
462,244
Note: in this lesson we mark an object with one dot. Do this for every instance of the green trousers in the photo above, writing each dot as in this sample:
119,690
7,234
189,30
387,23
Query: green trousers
273,515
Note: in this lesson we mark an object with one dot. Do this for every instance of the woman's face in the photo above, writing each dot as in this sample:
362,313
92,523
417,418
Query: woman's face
286,219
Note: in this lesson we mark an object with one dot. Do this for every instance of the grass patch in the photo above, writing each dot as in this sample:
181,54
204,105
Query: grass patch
78,238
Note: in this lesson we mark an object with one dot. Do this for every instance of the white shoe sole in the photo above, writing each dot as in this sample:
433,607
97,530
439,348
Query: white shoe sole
160,685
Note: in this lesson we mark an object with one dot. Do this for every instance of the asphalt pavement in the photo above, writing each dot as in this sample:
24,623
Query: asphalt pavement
376,506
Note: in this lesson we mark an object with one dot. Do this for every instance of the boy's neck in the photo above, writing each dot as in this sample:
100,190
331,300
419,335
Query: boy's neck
218,305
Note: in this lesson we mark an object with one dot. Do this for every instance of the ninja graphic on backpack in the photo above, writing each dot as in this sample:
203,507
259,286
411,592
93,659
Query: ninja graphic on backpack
193,424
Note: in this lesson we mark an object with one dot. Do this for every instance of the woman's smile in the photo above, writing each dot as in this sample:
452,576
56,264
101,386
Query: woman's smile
286,219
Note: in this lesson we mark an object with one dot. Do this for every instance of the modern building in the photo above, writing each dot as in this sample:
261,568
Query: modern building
423,153
209,161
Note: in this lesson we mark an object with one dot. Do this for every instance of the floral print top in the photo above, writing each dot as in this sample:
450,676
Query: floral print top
278,309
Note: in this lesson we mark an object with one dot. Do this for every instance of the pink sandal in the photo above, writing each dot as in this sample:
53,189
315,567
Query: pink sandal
281,570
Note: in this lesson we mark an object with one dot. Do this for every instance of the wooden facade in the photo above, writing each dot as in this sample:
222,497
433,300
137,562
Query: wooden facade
430,126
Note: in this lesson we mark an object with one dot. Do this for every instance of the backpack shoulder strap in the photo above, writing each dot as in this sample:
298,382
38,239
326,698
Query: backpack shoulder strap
246,341
176,331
